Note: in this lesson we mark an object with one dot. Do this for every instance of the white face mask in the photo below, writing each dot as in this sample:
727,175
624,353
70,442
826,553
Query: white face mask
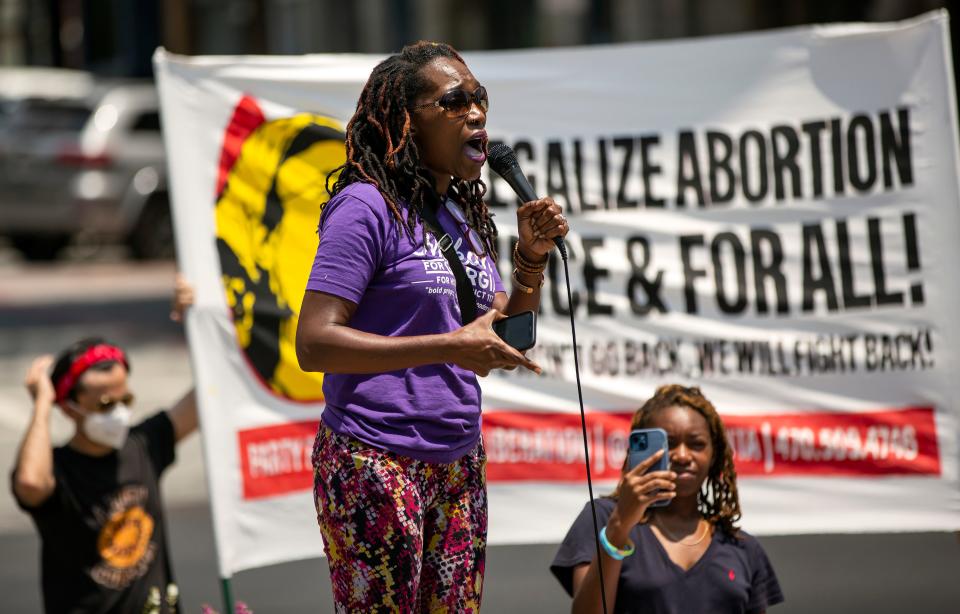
107,429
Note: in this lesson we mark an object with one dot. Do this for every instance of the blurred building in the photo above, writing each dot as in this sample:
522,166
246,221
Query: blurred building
117,37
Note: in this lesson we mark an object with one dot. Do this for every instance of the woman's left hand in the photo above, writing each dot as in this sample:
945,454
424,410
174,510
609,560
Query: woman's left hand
182,298
538,222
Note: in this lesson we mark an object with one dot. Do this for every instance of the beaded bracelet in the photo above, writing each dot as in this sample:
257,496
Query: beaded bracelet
614,552
528,271
525,265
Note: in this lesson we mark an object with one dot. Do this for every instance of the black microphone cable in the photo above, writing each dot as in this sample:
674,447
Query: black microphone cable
503,161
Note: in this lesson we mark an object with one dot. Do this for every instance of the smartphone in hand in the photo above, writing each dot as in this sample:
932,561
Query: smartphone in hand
519,331
644,443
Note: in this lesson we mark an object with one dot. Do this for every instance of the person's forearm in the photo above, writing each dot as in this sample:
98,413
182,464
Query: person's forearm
522,301
588,599
34,473
525,301
183,415
341,349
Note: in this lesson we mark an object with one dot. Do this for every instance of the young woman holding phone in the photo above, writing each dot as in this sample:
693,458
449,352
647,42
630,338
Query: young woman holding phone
687,556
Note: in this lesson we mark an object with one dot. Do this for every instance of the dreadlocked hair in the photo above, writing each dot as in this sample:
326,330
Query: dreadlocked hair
718,500
381,150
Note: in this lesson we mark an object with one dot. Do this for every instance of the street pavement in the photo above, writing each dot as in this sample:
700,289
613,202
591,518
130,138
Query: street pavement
42,308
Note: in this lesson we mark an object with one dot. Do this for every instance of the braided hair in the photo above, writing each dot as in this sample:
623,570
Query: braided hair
718,499
380,148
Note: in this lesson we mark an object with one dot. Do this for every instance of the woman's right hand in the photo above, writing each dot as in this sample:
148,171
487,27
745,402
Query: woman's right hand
638,491
477,348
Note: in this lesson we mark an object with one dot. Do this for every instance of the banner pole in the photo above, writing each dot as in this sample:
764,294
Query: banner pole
225,586
227,595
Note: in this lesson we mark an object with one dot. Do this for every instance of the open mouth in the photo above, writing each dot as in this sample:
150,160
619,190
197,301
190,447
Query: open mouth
476,148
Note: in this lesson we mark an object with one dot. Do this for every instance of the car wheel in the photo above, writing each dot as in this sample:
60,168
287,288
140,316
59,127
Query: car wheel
152,236
40,247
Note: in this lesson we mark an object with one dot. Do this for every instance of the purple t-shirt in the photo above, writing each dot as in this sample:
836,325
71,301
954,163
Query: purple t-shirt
402,288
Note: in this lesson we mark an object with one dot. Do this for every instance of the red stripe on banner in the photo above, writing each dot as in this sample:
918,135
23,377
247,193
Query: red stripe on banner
246,118
889,442
276,460
548,447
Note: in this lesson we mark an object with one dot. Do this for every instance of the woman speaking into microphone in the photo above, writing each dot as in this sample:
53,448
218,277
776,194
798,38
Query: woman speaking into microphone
398,314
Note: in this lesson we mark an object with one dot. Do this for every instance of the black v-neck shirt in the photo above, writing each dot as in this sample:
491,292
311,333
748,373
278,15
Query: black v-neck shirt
734,574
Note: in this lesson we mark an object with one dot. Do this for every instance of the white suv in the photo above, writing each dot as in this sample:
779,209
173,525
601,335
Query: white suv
92,165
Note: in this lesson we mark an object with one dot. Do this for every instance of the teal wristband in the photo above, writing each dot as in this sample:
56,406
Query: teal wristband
614,552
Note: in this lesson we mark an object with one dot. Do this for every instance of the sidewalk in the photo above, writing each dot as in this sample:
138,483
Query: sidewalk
72,282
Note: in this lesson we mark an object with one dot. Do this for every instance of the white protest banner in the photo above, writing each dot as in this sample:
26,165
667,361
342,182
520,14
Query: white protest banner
772,217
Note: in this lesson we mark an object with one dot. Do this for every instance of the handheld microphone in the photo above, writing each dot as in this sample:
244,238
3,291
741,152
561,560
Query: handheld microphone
503,161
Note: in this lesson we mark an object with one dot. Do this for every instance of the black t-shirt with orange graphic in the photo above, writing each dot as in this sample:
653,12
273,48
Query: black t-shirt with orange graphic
104,544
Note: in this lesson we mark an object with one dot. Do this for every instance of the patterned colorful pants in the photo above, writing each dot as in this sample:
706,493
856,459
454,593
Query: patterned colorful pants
400,535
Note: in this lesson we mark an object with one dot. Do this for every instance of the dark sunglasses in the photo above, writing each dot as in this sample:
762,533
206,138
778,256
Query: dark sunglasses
457,103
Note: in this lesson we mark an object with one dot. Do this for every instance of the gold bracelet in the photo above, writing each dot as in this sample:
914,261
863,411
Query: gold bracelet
519,285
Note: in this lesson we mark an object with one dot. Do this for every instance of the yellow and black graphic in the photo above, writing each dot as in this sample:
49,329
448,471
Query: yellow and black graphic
125,543
272,186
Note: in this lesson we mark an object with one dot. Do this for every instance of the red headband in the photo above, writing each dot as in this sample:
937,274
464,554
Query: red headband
95,354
